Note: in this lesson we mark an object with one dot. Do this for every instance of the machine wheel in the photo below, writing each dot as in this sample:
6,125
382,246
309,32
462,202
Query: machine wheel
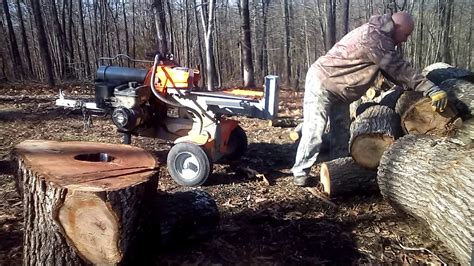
188,164
237,144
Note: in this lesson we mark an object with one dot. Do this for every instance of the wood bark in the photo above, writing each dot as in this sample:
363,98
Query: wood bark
84,40
82,199
343,176
461,95
16,58
418,117
43,42
439,72
24,39
249,78
183,217
432,179
466,133
339,134
372,132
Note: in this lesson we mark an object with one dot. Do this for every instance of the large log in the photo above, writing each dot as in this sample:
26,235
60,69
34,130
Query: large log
343,176
184,217
82,201
371,133
418,117
461,94
433,180
439,72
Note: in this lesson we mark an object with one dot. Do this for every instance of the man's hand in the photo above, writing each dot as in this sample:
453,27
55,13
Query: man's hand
439,98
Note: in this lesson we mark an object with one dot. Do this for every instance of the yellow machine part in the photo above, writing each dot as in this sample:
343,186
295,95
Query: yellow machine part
174,77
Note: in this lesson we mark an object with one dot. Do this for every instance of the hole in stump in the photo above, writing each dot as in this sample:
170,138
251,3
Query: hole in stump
94,157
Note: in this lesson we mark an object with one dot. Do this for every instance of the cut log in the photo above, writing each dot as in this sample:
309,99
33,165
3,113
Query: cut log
418,117
184,217
465,133
343,176
432,179
295,136
439,72
461,94
371,133
82,200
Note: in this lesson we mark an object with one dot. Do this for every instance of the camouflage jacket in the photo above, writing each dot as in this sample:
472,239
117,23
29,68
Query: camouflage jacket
353,64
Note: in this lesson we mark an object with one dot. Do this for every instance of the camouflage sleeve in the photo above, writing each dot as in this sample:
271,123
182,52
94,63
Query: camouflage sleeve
382,52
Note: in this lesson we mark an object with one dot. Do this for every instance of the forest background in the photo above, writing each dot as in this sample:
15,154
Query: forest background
233,42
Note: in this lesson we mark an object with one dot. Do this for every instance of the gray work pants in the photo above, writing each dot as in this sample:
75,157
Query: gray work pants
316,109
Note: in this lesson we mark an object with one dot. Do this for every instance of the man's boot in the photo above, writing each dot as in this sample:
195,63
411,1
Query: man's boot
302,181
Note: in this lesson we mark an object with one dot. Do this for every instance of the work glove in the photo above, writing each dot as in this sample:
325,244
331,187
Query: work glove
439,98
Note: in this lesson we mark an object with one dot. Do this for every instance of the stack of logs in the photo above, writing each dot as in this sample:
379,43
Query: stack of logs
97,203
421,161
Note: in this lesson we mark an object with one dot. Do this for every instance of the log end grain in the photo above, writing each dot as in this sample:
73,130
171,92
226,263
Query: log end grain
368,149
92,227
421,119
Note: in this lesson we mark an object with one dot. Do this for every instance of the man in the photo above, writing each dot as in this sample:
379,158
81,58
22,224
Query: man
345,73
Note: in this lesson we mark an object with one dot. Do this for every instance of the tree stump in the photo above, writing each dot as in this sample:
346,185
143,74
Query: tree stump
82,200
343,176
461,94
433,180
418,117
439,72
371,133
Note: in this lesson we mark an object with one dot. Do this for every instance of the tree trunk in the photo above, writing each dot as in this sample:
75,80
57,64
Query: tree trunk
184,216
418,117
160,21
286,42
83,199
43,43
24,39
249,79
461,94
16,58
339,134
372,132
84,41
208,26
432,179
346,17
331,23
344,176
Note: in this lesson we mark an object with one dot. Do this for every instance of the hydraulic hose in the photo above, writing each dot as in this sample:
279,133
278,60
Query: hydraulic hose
167,101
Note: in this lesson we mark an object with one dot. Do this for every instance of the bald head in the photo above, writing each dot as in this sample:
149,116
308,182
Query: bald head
404,26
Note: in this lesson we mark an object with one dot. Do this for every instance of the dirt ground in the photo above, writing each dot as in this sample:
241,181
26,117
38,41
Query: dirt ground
261,222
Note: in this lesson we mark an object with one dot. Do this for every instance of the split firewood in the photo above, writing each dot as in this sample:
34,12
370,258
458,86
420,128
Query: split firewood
283,122
432,179
343,176
295,135
82,200
439,72
371,134
418,117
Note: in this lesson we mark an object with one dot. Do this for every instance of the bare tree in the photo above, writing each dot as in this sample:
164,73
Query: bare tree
249,78
43,43
17,65
331,23
208,25
24,38
286,42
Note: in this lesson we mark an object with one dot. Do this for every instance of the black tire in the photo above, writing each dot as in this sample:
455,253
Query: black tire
188,164
237,144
